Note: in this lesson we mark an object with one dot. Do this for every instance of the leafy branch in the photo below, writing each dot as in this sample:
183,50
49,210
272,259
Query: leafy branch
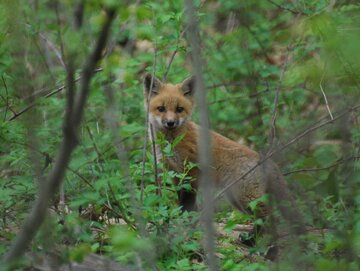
73,117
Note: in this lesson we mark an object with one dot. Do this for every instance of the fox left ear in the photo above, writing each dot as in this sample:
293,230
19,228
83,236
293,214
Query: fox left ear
188,86
151,83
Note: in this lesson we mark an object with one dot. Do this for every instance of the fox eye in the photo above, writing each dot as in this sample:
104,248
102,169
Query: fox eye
179,109
161,108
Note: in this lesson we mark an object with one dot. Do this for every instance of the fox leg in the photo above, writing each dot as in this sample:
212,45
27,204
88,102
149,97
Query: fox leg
187,200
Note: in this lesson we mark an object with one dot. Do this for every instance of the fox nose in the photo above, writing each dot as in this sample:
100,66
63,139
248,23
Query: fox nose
170,124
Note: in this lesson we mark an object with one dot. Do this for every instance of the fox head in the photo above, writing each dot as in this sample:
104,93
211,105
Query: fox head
170,106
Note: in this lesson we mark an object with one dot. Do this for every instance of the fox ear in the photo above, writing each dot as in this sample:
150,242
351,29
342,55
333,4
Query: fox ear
151,83
188,86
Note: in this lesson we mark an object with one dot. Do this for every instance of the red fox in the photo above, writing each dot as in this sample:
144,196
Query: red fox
170,108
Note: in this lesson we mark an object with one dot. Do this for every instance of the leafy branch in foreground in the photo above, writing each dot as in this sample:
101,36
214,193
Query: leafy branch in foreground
73,118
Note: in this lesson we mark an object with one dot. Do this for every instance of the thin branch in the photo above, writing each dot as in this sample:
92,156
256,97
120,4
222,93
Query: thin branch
323,93
171,61
97,151
21,112
143,161
173,55
253,95
228,84
204,140
49,160
50,187
81,177
276,100
348,68
44,57
59,30
123,213
149,127
157,179
75,172
273,118
70,94
285,8
53,48
6,100
336,163
52,93
292,141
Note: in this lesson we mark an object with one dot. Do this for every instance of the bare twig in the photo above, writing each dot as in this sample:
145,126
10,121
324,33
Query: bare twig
204,140
171,61
336,163
323,93
50,160
81,177
285,8
53,48
173,55
69,143
149,128
253,95
70,94
15,115
52,93
59,30
273,118
6,100
276,100
98,153
292,141
228,84
157,179
122,210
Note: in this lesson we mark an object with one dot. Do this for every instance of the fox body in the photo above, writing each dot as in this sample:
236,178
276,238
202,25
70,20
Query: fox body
170,107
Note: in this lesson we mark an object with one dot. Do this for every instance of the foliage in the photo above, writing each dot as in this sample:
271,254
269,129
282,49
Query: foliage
300,57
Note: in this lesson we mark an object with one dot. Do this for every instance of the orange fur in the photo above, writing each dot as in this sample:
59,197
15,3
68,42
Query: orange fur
231,160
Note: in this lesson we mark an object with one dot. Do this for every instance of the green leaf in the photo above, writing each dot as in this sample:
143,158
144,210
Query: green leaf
326,155
177,140
79,252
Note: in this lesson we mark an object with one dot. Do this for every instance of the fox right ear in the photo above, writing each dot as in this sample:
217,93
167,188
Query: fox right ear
188,86
151,83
